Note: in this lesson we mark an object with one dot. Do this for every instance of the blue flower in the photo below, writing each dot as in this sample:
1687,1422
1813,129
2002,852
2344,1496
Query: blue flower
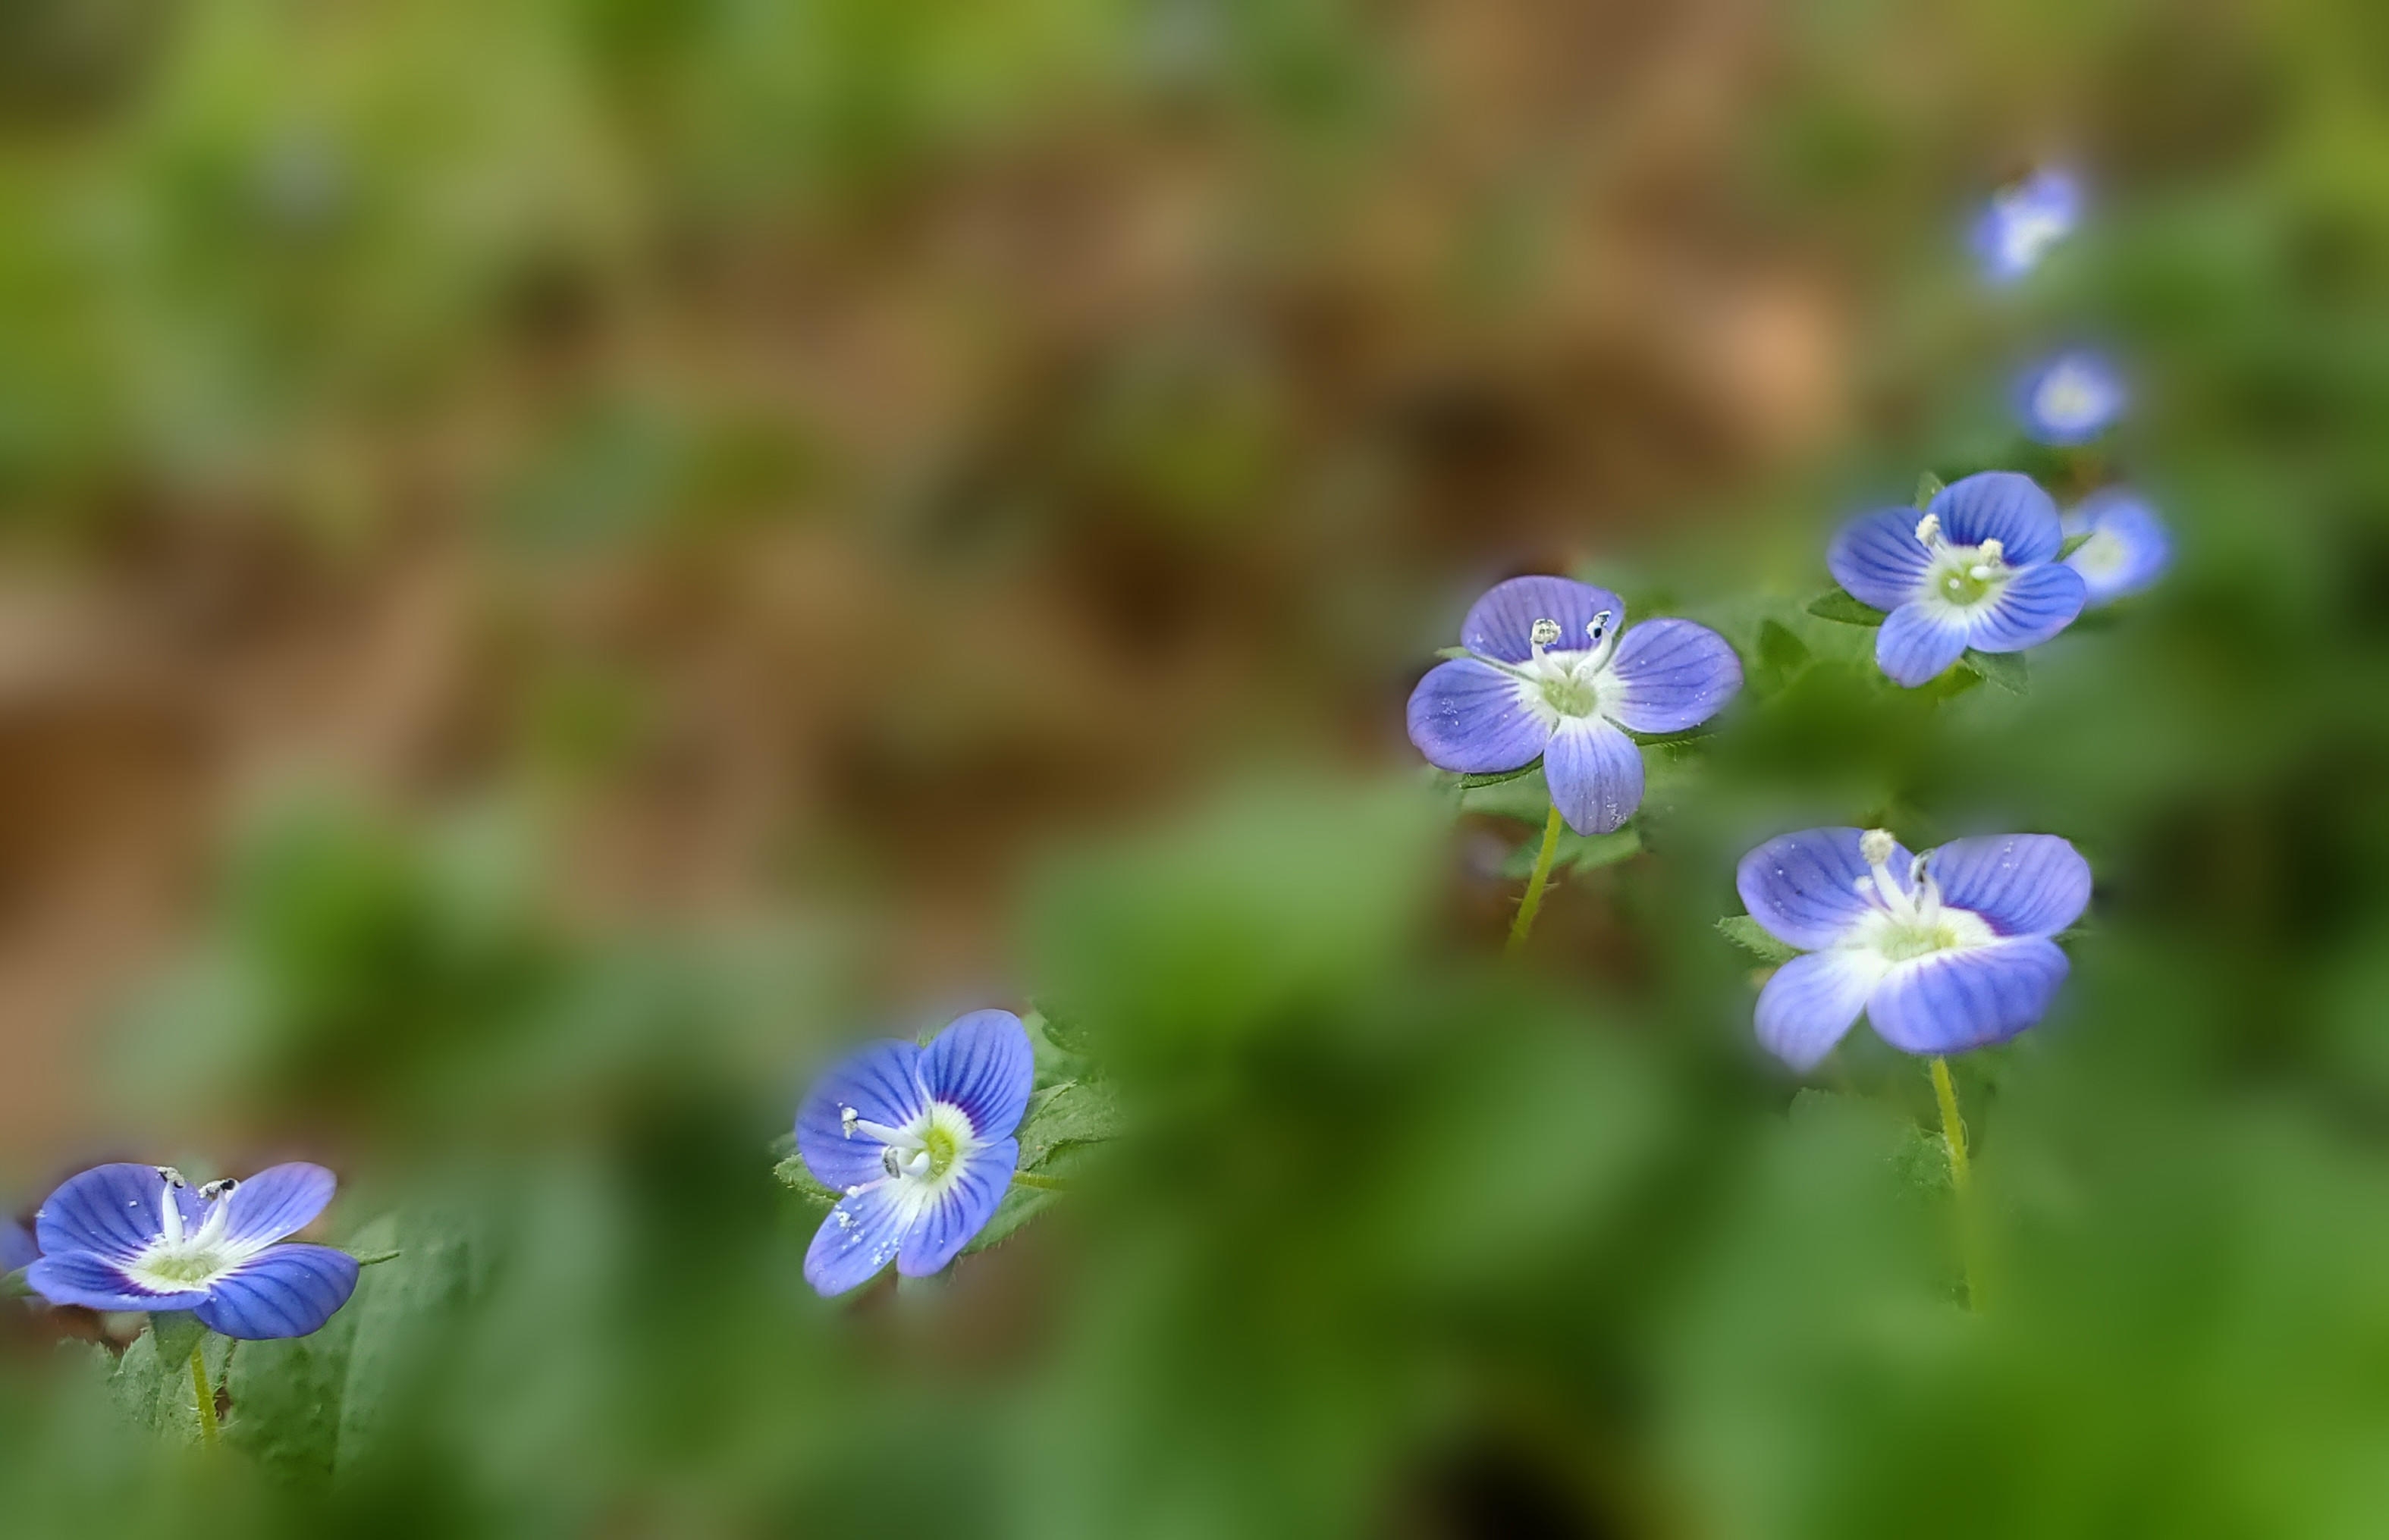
1552,670
17,1248
141,1238
919,1140
2070,399
2129,549
1943,951
1978,570
2023,221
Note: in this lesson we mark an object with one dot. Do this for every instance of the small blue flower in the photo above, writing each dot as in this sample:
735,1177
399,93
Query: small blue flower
1978,570
1552,671
919,1140
1943,951
17,1248
2023,221
2070,399
2129,549
141,1238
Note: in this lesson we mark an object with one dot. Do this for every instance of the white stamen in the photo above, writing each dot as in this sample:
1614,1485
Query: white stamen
1543,633
170,1212
1599,625
1875,846
846,1118
1928,530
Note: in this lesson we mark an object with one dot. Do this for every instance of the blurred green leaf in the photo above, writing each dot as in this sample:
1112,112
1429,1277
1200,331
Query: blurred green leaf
1928,487
2005,669
1574,851
1836,604
2072,543
1496,778
1074,1112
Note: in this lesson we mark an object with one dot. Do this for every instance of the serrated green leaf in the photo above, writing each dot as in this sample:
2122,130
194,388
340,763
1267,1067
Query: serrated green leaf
1928,487
287,1397
2005,669
151,1384
1836,604
2072,543
1063,1030
799,1178
176,1332
1074,1112
1018,1205
1753,937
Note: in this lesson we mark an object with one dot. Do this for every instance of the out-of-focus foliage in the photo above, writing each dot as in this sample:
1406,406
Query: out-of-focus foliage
796,459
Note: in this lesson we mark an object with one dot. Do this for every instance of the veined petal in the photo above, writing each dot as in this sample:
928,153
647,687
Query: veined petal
281,1291
959,1212
278,1201
1468,715
861,1236
99,1283
2021,885
982,1063
1812,1000
1919,641
2004,506
1803,889
1667,675
112,1211
882,1083
2129,549
1878,558
1969,998
1501,624
1595,775
2032,607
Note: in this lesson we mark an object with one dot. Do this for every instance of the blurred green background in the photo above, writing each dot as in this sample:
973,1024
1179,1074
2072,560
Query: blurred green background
562,561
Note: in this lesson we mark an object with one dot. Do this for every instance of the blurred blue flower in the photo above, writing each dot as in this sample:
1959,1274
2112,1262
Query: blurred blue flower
1943,951
1552,670
140,1238
2128,548
2070,399
919,1140
1978,570
2023,221
17,1248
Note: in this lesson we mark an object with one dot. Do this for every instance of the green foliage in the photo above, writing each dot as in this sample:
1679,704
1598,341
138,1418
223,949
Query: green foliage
2005,669
1836,604
1754,938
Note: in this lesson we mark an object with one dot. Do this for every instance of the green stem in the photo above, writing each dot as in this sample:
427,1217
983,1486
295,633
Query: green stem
1533,901
1043,1184
1961,1177
205,1392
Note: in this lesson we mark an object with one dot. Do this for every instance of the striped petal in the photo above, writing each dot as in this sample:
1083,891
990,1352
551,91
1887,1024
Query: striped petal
1812,1001
1501,624
1668,675
1919,641
2021,885
278,1201
861,1235
959,1212
2031,607
1803,889
1469,716
1595,775
882,1084
2004,506
282,1292
983,1064
2129,547
98,1282
1966,998
1878,558
112,1211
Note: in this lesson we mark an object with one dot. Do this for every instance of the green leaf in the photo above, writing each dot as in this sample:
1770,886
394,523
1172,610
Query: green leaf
1074,1112
14,1286
1836,604
1452,653
375,1259
1781,656
1928,487
176,1332
2072,543
1753,937
1019,1204
289,1397
2004,669
151,1383
799,1178
1496,778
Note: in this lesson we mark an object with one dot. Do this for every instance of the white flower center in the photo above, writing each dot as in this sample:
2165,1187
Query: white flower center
2071,396
1565,683
2104,554
926,1156
181,1260
1904,922
1964,577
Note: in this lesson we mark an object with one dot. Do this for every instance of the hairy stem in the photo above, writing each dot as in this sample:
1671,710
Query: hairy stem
1961,1178
205,1392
